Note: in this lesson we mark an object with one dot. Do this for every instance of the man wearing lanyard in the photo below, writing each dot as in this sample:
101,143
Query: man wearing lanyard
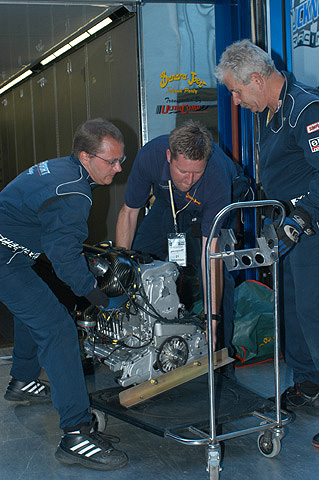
191,179
288,138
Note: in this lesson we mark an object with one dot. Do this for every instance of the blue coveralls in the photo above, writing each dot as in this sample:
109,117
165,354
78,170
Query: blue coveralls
289,170
45,209
206,198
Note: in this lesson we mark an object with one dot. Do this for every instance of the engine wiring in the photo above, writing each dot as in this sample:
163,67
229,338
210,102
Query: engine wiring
133,306
139,289
129,336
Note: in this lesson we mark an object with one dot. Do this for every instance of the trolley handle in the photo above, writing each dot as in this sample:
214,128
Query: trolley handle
216,221
239,205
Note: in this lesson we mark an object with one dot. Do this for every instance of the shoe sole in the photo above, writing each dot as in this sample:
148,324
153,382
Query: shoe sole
18,397
69,459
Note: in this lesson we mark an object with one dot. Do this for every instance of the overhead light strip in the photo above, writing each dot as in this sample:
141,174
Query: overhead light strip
99,26
76,41
60,51
79,39
15,81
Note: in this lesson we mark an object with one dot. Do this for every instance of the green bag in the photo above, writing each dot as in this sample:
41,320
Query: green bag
253,336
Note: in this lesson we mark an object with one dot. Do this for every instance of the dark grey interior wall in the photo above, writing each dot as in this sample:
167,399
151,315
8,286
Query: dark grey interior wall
39,117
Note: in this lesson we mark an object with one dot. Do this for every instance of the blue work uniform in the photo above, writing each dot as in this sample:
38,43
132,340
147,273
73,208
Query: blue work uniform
199,205
45,210
288,148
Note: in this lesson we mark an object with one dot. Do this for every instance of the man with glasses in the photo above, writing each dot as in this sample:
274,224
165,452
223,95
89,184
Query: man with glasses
191,178
45,210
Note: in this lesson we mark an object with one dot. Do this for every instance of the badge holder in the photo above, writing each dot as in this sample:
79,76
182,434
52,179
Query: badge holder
177,248
176,241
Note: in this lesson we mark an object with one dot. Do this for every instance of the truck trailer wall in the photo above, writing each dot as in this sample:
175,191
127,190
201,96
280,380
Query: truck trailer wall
38,118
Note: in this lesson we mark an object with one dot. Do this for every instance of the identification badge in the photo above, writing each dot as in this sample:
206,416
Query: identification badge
177,248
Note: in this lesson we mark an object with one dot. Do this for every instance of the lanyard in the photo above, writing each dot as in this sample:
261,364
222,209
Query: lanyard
173,205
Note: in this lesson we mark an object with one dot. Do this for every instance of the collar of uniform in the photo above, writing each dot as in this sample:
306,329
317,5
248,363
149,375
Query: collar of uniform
84,171
277,120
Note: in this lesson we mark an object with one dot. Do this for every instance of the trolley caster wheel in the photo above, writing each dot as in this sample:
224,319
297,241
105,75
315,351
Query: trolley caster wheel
101,419
214,473
213,461
268,445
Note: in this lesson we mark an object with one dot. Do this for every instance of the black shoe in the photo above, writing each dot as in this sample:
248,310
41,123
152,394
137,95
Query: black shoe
34,391
315,441
91,449
294,398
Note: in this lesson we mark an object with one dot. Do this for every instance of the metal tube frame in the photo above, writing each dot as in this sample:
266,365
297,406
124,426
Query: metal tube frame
275,424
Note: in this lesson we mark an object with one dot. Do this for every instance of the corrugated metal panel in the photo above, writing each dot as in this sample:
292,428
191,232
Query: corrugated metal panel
71,98
8,139
24,126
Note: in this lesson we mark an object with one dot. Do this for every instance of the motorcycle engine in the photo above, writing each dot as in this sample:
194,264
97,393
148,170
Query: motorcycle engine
145,331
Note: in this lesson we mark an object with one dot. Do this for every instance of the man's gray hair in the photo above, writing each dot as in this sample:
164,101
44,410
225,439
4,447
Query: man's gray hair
241,59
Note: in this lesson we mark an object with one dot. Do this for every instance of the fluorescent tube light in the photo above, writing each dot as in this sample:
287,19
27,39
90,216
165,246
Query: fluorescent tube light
59,52
62,50
99,26
16,80
79,39
76,41
47,59
56,54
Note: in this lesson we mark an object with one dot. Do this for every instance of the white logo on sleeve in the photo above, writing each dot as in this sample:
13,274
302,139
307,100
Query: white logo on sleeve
314,144
313,127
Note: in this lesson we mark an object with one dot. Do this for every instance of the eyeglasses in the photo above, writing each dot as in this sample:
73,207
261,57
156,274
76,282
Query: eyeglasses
113,163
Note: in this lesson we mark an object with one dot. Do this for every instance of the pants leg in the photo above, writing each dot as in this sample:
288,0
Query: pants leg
25,363
227,310
51,342
300,309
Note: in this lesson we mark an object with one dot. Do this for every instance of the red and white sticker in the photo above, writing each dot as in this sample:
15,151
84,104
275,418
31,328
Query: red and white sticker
313,127
314,144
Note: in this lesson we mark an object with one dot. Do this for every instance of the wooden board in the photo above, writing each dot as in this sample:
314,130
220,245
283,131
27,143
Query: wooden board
166,381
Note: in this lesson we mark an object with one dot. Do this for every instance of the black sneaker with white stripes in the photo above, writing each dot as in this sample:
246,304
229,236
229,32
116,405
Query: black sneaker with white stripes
88,447
34,391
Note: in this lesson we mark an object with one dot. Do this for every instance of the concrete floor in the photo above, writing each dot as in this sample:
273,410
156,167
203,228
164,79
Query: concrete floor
29,436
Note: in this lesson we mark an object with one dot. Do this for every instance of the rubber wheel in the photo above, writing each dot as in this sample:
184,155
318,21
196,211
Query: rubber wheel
268,445
214,473
101,419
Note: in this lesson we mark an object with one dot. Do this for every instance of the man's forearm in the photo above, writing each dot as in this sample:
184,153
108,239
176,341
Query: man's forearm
126,226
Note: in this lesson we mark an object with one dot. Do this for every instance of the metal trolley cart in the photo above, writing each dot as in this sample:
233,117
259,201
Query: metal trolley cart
196,414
